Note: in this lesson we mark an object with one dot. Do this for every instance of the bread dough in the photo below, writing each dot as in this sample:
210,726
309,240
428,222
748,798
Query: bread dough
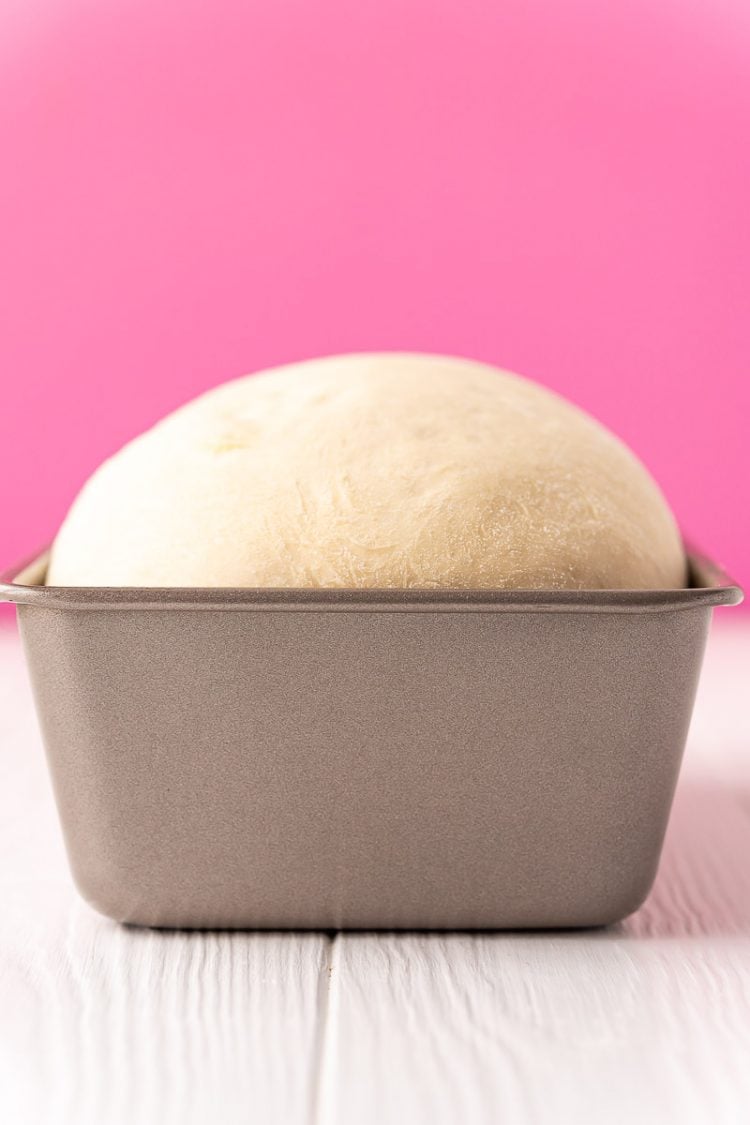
389,470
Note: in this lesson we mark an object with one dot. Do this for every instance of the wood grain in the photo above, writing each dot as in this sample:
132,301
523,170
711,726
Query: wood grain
99,1023
646,1022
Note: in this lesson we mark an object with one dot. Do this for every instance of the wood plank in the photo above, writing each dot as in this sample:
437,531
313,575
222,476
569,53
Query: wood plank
647,1022
100,1023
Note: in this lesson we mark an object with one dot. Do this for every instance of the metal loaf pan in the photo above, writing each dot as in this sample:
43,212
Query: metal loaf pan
377,759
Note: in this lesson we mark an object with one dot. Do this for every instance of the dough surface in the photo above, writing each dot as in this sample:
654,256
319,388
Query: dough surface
381,470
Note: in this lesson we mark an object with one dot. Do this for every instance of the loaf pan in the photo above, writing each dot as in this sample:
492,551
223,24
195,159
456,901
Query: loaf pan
364,759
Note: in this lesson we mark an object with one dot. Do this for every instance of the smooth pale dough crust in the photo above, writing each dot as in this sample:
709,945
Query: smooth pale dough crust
389,470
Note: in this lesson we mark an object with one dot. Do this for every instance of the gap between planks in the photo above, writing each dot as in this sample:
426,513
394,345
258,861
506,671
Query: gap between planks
325,1040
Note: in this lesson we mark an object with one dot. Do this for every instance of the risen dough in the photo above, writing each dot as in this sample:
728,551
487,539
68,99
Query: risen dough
373,470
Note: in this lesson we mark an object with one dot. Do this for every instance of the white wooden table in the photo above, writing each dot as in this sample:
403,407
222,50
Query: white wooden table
647,1022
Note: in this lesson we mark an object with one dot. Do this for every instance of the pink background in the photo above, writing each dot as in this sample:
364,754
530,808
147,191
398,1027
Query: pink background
193,190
